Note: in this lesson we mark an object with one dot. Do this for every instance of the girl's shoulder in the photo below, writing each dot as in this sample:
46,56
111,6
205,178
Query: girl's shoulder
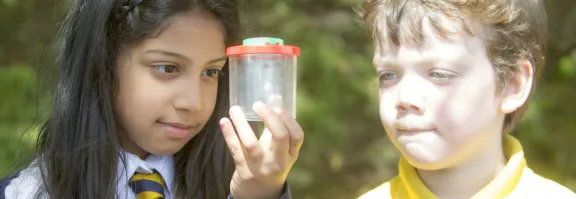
4,182
22,185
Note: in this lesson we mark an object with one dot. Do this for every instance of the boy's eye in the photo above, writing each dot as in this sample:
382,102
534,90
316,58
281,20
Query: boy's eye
212,72
387,76
166,68
441,75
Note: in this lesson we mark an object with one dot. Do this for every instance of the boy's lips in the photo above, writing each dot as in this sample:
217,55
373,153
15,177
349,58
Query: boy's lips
413,129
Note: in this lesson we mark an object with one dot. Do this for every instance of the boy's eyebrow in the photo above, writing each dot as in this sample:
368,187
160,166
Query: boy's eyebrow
168,53
381,61
425,60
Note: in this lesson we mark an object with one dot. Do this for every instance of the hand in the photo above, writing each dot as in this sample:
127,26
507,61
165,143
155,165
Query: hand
262,165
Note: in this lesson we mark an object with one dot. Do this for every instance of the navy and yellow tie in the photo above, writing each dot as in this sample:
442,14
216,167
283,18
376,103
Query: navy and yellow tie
147,186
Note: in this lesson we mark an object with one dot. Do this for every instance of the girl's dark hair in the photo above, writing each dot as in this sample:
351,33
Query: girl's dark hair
78,147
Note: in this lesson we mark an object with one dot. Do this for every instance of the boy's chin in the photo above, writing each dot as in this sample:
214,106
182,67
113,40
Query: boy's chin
427,166
425,161
424,155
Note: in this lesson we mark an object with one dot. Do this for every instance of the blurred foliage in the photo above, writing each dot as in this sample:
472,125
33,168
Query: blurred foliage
26,26
18,114
346,151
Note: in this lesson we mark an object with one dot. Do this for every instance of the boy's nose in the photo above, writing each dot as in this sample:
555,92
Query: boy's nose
405,107
410,99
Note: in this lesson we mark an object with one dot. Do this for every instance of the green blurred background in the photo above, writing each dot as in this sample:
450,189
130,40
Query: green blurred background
346,150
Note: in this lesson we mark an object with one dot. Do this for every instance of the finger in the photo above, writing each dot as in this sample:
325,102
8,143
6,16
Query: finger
232,141
245,133
296,133
274,124
275,101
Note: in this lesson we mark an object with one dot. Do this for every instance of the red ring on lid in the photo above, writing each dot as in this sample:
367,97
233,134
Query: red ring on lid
264,49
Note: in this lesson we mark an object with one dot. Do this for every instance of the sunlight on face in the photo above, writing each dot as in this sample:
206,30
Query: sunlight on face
438,101
168,84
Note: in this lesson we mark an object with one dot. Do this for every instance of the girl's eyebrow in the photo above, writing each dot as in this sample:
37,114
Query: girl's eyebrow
217,60
180,56
168,53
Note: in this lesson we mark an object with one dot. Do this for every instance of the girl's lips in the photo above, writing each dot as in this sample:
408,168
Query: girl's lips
178,125
177,130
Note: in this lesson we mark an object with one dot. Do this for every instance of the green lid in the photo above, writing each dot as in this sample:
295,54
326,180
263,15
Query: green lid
260,41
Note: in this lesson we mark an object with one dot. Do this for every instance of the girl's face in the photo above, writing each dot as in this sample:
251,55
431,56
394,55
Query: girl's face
168,84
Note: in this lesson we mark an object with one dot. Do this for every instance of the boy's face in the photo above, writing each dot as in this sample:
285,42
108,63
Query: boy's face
438,100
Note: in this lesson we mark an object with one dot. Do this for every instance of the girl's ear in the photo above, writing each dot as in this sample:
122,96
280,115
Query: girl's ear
518,88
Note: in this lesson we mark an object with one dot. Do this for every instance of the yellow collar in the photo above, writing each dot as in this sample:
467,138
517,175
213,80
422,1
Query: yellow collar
500,187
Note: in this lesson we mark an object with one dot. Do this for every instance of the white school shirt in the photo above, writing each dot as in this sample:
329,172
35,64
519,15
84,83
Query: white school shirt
29,180
163,164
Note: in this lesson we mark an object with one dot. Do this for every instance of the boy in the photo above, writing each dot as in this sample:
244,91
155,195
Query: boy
455,76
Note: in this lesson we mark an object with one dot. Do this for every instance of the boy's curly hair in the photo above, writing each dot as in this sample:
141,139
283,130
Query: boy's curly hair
515,29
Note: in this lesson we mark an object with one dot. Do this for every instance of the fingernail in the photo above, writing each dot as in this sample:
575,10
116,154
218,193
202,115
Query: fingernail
275,100
259,105
278,110
222,123
235,110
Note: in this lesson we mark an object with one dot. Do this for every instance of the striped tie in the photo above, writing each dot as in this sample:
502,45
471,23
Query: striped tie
147,186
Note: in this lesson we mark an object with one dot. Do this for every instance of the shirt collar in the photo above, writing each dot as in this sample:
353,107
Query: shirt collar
163,164
501,186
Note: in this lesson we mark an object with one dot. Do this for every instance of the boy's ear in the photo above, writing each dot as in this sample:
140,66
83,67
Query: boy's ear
518,88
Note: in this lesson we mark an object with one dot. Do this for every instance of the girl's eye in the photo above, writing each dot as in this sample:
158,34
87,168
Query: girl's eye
212,72
166,68
387,76
441,75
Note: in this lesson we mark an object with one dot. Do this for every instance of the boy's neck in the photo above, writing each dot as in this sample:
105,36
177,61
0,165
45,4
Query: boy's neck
469,177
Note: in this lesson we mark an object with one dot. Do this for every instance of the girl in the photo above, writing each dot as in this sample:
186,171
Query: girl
142,89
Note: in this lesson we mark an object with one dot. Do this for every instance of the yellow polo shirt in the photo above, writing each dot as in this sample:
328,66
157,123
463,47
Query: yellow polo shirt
516,181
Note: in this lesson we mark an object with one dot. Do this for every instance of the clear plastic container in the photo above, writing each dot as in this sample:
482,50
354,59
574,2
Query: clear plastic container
263,69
